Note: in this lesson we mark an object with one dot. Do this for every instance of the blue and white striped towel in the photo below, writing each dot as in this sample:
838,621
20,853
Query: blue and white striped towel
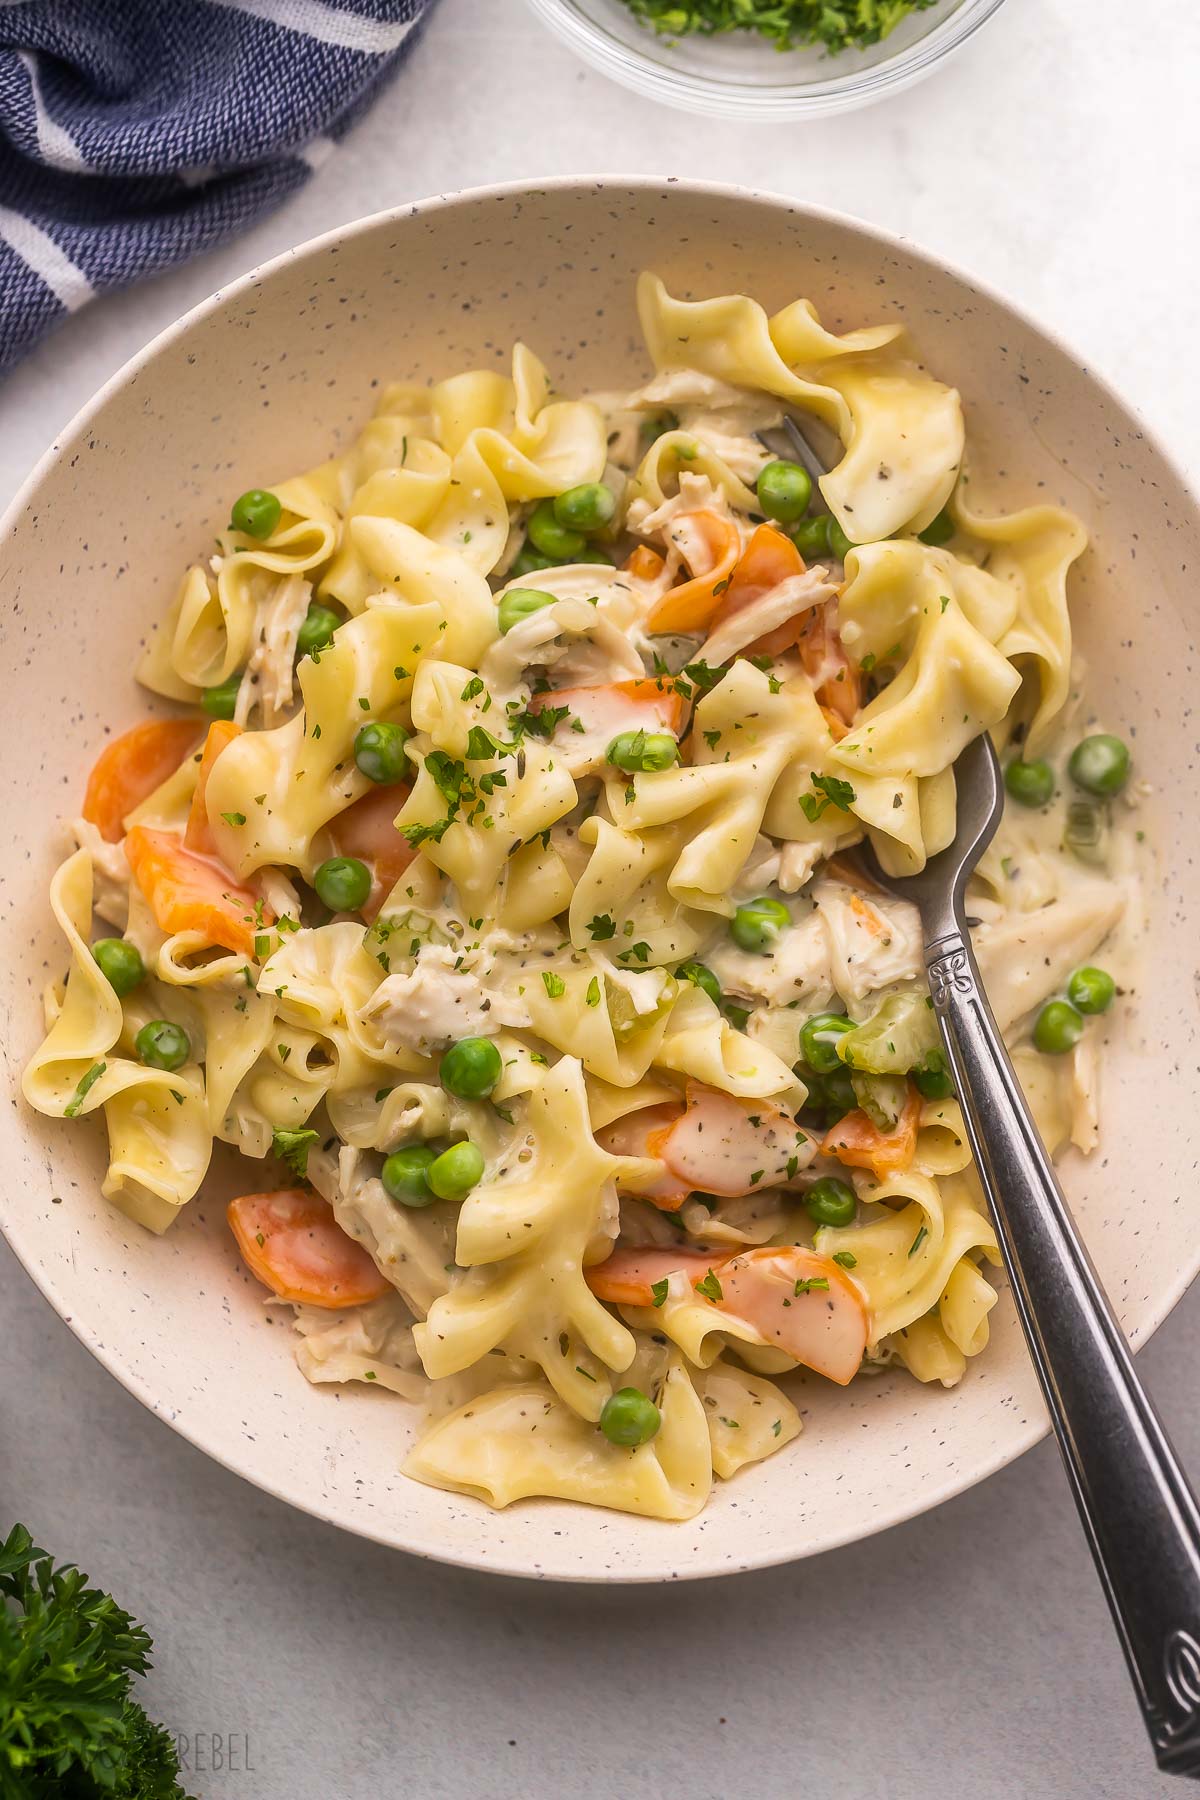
136,133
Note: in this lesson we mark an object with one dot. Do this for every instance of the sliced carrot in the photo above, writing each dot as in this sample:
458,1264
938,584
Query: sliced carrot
645,563
292,1243
856,1141
367,830
198,834
837,682
632,1136
628,1277
710,547
768,559
800,1302
128,770
724,1145
596,715
792,1298
651,704
191,893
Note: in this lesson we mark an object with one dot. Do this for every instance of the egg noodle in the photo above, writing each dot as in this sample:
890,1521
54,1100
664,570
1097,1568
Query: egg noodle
494,899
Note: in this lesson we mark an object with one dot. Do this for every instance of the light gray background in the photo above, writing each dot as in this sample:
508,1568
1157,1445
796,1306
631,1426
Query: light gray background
968,1653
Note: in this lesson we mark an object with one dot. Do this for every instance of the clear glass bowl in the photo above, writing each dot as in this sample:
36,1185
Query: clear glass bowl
739,75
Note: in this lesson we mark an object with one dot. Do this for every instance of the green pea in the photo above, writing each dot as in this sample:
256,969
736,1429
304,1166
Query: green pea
528,561
629,1418
320,623
702,977
1058,1028
1030,783
221,702
756,926
454,1173
590,554
120,964
161,1045
1100,764
642,751
818,1040
839,544
379,752
837,1093
1090,990
738,1016
831,1202
256,512
931,1078
939,531
784,491
404,1175
343,883
811,537
471,1068
589,507
518,603
551,538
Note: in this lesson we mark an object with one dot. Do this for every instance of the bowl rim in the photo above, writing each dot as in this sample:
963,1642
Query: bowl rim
931,1496
750,100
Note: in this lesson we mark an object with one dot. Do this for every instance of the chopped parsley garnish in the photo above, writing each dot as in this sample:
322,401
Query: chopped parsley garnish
829,791
593,992
554,984
710,1287
658,1291
601,927
846,1259
815,1284
234,818
86,1082
918,1241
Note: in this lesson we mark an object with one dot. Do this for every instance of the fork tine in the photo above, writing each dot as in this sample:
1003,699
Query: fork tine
798,449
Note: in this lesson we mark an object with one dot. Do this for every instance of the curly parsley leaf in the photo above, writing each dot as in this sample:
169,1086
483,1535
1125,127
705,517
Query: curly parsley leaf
829,791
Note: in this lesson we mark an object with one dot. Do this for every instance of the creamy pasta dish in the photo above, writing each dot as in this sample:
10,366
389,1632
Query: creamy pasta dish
491,890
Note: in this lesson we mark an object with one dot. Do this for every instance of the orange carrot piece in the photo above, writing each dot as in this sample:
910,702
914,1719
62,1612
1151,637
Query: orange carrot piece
823,1326
856,1141
367,830
128,770
198,833
628,1276
768,559
837,682
690,606
645,563
795,1299
191,893
639,1134
292,1243
651,704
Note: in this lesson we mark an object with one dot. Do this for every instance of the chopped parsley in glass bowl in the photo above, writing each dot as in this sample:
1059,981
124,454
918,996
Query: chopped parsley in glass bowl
767,59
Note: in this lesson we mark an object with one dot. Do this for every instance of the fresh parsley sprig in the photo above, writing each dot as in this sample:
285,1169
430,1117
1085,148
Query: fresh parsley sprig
68,1723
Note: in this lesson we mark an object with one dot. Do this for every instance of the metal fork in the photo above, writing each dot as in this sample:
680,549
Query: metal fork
1137,1507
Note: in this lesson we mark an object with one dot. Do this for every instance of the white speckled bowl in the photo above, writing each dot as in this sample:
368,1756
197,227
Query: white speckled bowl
268,378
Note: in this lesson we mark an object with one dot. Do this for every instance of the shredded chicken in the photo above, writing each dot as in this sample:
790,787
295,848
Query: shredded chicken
267,682
429,1006
788,598
583,646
